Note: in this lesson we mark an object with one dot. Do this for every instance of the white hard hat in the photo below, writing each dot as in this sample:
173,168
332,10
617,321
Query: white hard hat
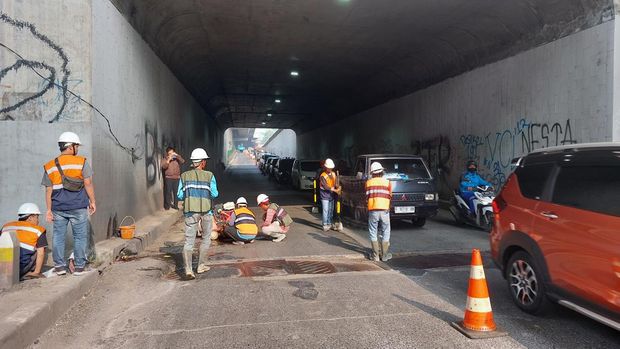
69,137
376,167
229,206
261,198
242,201
329,163
28,209
199,154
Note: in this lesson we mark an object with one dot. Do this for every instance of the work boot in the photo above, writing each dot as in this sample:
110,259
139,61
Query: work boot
385,255
375,251
202,269
187,259
326,227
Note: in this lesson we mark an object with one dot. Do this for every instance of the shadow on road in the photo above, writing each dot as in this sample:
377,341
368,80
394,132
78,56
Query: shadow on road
337,241
440,314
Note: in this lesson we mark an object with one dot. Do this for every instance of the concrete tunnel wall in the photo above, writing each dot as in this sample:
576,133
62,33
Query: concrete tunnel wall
283,144
97,54
559,93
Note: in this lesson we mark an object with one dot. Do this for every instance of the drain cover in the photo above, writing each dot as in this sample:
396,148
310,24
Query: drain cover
312,267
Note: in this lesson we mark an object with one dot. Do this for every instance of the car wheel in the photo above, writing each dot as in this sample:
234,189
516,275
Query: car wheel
418,222
525,283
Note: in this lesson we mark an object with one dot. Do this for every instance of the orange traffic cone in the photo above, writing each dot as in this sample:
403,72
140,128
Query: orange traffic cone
478,321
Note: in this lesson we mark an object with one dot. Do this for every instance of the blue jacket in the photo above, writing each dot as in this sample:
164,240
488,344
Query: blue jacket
472,179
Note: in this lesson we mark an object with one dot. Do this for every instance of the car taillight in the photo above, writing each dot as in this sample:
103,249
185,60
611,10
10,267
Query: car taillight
499,204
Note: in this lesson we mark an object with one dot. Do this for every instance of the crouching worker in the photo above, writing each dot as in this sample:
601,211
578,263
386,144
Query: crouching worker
242,224
220,218
197,188
32,240
276,221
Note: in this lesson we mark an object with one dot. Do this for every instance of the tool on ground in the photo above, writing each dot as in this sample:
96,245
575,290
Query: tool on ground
127,231
478,322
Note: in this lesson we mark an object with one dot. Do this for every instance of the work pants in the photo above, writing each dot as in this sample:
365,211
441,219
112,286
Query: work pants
170,193
379,222
328,211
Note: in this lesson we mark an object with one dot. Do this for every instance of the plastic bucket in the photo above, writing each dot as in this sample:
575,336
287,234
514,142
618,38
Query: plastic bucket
127,231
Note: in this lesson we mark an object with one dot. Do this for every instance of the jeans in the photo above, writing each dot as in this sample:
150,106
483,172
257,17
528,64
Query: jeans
79,224
191,228
170,193
328,211
379,220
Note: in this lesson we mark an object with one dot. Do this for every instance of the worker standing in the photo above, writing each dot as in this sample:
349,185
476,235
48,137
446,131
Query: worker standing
242,226
379,194
197,188
32,240
70,198
276,221
328,191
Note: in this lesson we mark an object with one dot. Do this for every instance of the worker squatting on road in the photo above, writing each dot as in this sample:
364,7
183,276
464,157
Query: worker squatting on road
32,240
197,189
242,226
276,221
70,199
379,195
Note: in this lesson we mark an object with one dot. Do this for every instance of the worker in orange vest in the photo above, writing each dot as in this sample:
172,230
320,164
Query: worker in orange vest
328,192
70,199
32,240
242,224
379,194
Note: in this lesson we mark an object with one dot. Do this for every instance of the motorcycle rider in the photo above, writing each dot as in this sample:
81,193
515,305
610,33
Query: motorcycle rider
470,179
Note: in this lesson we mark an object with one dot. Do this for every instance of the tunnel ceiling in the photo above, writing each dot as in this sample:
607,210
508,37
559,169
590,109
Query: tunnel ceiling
236,56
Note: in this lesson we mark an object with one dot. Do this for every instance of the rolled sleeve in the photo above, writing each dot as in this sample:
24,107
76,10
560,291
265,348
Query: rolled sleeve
214,192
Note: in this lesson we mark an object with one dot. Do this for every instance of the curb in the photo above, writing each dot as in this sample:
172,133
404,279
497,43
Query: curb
38,305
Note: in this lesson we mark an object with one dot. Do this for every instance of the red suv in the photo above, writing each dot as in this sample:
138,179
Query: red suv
557,230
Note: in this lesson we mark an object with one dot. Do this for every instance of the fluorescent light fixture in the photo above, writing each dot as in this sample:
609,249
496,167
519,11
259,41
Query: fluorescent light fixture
294,73
269,114
263,123
278,101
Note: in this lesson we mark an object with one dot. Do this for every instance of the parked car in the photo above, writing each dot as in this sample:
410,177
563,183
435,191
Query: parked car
414,195
282,171
303,173
270,166
556,235
264,163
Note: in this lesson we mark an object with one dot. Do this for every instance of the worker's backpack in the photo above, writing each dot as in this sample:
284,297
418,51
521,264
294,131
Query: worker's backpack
282,216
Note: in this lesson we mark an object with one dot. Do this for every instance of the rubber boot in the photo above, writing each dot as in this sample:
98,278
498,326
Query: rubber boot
385,255
187,259
375,251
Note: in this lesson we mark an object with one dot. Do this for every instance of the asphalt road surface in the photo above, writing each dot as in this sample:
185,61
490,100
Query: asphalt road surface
312,290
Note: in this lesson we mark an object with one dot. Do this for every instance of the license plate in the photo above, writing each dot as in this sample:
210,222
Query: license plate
404,209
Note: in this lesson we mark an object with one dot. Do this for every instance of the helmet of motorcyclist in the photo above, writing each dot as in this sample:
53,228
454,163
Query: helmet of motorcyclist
472,166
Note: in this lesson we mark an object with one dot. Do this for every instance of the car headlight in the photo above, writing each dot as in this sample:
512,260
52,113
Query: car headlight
429,197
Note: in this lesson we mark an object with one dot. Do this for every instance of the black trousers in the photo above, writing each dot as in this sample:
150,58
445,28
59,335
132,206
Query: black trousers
170,193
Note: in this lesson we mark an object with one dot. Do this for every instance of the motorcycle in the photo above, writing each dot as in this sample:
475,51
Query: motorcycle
483,202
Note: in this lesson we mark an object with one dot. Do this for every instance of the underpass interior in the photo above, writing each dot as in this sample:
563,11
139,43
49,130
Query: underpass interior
449,81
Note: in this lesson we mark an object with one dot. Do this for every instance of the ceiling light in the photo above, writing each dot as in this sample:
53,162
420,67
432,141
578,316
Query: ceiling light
263,123
269,114
278,101
294,73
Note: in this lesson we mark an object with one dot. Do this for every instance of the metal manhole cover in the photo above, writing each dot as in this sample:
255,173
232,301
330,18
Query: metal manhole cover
311,267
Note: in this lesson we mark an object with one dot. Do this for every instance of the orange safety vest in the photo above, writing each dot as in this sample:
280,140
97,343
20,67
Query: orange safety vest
27,233
379,194
330,179
71,165
245,221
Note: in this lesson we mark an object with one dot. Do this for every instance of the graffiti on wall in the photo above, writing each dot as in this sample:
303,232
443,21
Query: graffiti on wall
495,151
45,98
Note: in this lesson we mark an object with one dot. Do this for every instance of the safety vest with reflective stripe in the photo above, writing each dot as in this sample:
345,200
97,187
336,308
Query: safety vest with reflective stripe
71,165
27,233
330,180
245,221
379,193
197,189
